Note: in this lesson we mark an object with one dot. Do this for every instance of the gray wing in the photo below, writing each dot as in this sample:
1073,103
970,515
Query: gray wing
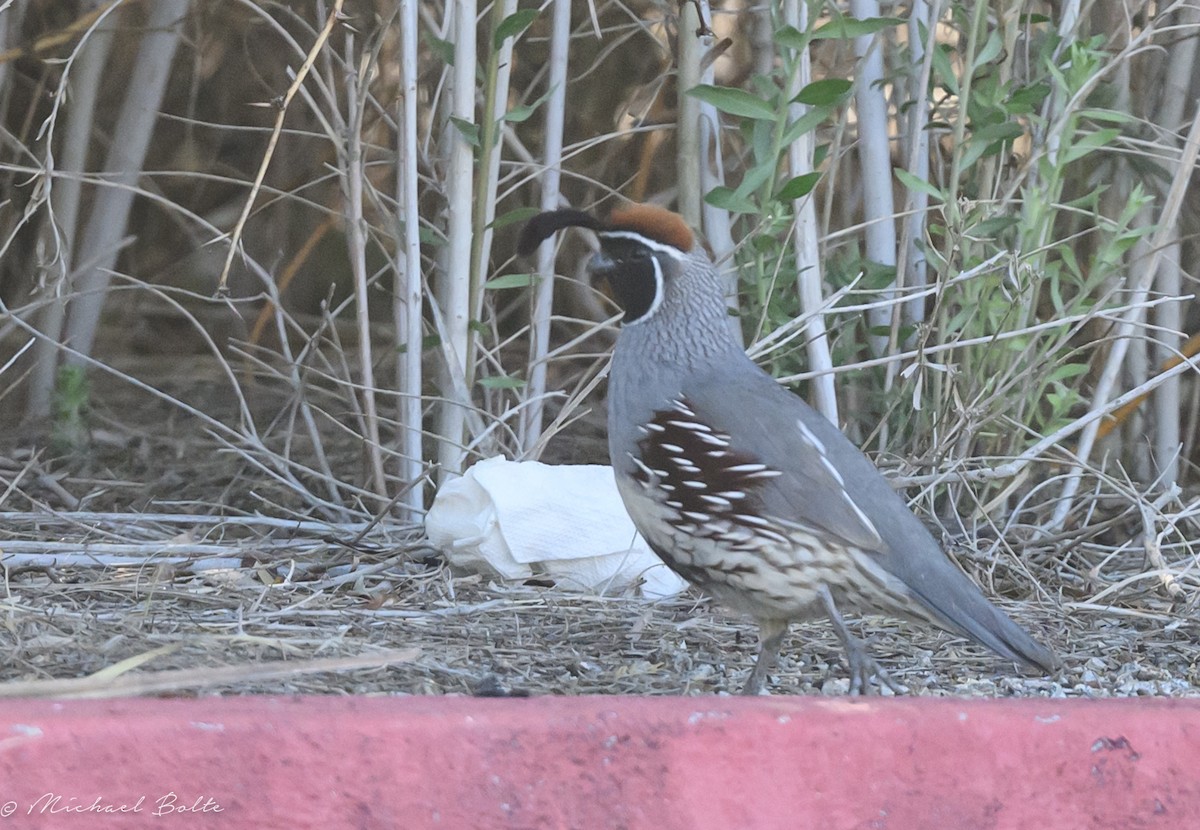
768,424
765,419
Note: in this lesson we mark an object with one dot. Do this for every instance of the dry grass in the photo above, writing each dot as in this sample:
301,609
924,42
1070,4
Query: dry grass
191,592
391,619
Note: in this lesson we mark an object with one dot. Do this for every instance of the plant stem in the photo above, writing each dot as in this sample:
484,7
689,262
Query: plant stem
454,284
543,291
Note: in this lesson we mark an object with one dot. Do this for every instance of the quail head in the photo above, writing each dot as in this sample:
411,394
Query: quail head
736,483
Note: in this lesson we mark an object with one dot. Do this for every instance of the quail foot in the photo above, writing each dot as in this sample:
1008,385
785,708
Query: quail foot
736,483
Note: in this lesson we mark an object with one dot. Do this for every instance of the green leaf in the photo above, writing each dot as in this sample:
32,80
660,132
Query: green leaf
1088,144
726,199
513,25
877,276
1003,131
1067,371
1108,116
850,27
798,187
944,68
920,185
1070,261
501,382
762,140
1026,99
469,131
1056,294
989,228
756,177
733,101
509,281
442,49
1089,202
516,115
991,49
824,93
989,140
792,38
512,217
804,124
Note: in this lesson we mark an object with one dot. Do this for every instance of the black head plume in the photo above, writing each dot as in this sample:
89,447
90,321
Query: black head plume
545,225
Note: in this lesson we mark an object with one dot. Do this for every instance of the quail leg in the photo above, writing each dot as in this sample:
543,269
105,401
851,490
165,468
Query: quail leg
862,665
770,634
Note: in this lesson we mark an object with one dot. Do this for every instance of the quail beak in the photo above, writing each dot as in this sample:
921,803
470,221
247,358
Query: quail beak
601,265
600,270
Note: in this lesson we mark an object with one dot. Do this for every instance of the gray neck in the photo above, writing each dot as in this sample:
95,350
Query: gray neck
691,326
683,340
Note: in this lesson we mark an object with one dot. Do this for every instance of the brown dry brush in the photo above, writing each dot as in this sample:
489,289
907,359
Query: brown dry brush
1059,220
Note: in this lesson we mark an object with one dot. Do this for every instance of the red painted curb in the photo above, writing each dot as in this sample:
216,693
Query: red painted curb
659,763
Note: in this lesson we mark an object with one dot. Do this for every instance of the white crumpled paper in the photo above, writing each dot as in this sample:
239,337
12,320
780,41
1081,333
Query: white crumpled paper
566,522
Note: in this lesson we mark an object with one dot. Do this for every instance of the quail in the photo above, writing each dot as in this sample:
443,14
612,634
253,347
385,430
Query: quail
736,483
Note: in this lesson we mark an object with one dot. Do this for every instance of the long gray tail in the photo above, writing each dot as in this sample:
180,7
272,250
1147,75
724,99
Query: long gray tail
959,605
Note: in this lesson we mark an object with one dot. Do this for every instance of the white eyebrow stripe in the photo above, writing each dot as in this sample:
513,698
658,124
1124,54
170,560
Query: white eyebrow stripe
669,250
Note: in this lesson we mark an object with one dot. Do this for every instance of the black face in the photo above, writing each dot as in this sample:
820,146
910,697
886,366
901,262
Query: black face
633,269
634,273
